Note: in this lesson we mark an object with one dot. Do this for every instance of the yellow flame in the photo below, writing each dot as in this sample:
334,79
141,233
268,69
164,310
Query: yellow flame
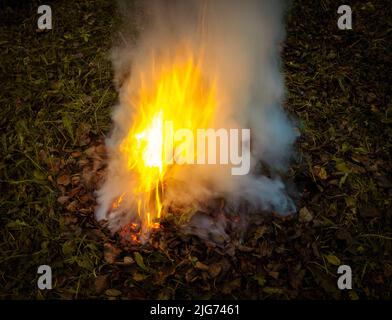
117,203
176,92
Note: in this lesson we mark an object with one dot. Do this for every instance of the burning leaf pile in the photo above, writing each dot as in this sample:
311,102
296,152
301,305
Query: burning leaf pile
189,76
178,96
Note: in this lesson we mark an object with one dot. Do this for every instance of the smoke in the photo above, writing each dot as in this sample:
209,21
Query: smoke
239,44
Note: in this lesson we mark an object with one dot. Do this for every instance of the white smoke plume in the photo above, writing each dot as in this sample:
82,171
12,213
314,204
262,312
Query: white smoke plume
240,43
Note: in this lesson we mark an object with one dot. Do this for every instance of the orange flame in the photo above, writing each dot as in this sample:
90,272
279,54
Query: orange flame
177,92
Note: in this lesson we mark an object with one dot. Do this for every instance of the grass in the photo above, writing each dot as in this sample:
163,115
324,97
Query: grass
53,83
56,99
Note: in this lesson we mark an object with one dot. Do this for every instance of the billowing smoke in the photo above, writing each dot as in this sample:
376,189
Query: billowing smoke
239,43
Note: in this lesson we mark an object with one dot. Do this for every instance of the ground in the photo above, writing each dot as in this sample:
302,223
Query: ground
56,99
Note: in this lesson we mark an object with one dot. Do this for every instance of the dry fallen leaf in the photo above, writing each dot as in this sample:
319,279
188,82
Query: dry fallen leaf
82,134
201,266
90,151
54,164
305,215
100,149
128,260
64,180
111,253
214,270
73,206
76,154
74,191
274,274
320,172
75,180
85,197
101,283
139,277
113,292
62,199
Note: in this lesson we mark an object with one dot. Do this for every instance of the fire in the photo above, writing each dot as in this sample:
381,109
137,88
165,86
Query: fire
117,203
130,233
176,91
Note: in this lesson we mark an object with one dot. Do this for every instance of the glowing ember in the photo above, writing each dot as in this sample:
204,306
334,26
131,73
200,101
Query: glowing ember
130,233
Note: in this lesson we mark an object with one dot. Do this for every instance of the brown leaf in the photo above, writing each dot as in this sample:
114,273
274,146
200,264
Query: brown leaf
201,266
90,151
73,206
101,149
113,292
75,180
320,172
62,199
85,198
190,276
69,219
42,155
111,253
87,175
139,276
128,260
83,162
54,165
82,134
274,274
64,180
101,283
97,164
76,154
74,191
214,270
243,248
305,215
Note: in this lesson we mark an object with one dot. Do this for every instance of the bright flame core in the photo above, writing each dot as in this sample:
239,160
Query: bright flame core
176,92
